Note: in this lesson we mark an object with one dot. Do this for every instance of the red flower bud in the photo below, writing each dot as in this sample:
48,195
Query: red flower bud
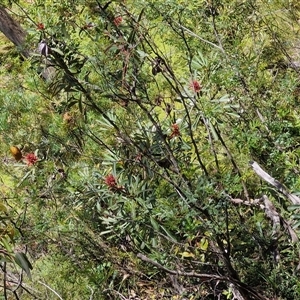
110,181
195,86
175,131
118,20
40,26
30,159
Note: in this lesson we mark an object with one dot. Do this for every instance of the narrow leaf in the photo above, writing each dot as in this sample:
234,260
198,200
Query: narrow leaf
22,260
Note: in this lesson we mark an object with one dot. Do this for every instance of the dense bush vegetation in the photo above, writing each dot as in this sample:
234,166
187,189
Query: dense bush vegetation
133,142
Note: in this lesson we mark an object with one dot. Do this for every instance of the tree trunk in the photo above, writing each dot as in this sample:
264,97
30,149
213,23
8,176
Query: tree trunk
13,31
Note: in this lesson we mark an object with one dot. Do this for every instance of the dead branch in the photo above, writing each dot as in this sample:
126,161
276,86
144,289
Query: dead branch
180,273
204,277
280,187
255,202
235,292
271,212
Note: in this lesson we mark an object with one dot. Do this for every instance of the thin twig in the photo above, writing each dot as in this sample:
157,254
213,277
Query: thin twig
204,277
181,273
198,37
4,281
52,290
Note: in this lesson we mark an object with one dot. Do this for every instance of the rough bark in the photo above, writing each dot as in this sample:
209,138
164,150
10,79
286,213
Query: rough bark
12,30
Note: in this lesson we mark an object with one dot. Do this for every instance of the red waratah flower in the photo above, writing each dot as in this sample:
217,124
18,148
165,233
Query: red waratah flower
118,20
30,159
110,181
195,86
40,26
175,131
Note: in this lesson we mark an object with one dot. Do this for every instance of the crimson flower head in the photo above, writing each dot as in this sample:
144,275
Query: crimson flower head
30,159
40,26
110,181
195,86
175,131
118,20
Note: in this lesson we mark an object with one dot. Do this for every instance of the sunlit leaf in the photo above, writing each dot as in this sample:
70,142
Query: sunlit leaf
186,254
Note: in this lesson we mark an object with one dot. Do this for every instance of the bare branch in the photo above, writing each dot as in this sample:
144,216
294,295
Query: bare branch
236,294
271,213
181,273
205,277
245,202
52,290
4,281
198,37
266,177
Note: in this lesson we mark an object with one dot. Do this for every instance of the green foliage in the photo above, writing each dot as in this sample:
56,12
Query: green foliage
143,118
